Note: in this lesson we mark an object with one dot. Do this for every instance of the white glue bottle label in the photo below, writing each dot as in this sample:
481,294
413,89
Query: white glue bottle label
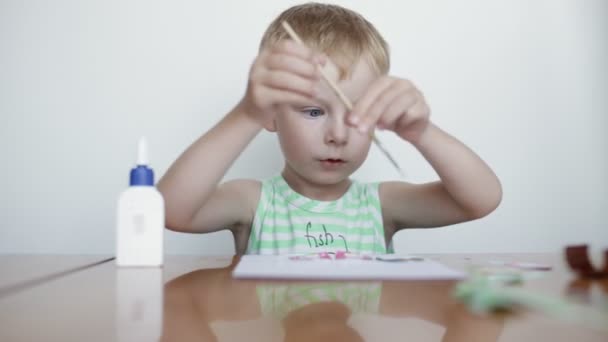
140,217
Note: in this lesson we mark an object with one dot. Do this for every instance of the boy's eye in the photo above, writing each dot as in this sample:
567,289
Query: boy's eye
313,112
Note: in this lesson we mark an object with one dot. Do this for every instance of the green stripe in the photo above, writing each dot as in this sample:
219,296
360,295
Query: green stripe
275,244
303,242
285,201
317,229
345,206
304,214
362,197
253,241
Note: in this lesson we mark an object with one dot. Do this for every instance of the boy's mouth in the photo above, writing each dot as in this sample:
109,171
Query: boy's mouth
332,162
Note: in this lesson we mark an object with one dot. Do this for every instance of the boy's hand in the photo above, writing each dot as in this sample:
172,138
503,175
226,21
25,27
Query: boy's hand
394,104
285,73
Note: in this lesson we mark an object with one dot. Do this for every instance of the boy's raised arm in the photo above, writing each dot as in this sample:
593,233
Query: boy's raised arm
285,73
192,181
468,188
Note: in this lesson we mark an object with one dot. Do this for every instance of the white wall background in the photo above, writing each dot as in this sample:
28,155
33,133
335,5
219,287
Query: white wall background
523,83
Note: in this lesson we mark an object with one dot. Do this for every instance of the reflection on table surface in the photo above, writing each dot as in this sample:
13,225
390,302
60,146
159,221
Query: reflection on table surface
210,305
196,299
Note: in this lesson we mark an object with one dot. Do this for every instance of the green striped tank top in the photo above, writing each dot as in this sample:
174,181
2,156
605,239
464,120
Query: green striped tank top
287,222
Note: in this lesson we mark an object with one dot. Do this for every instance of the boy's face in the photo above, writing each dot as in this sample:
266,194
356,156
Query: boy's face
317,143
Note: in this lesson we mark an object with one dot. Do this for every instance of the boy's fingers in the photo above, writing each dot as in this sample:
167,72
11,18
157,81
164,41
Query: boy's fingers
363,104
293,64
288,81
295,49
290,55
380,107
321,59
278,96
396,111
416,112
290,47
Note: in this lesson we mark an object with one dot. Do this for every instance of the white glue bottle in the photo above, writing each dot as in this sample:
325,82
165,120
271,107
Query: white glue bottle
140,217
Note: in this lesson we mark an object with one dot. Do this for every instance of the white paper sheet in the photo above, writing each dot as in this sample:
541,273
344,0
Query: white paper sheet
282,267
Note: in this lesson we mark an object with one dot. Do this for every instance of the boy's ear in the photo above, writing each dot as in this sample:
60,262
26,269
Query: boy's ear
270,125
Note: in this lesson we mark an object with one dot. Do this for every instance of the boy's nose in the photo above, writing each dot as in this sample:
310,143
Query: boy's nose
337,131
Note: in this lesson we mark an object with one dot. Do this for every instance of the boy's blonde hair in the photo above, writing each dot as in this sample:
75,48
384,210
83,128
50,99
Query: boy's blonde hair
342,34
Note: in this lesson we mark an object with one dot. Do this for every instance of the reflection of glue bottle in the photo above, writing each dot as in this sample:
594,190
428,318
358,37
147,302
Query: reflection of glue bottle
139,304
141,217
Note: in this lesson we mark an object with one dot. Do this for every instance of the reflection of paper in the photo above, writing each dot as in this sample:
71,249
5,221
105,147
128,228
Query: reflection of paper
139,304
280,267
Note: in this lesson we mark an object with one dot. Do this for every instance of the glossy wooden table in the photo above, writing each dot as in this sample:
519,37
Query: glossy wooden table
23,271
196,299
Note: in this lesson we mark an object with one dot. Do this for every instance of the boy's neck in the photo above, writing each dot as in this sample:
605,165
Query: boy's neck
319,192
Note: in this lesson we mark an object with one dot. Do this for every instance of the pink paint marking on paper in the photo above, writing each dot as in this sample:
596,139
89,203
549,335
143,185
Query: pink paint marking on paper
339,255
324,255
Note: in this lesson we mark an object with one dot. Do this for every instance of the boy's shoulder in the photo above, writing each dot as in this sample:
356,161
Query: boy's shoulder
394,191
243,194
246,188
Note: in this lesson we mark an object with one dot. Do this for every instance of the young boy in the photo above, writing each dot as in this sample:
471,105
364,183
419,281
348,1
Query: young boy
313,206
